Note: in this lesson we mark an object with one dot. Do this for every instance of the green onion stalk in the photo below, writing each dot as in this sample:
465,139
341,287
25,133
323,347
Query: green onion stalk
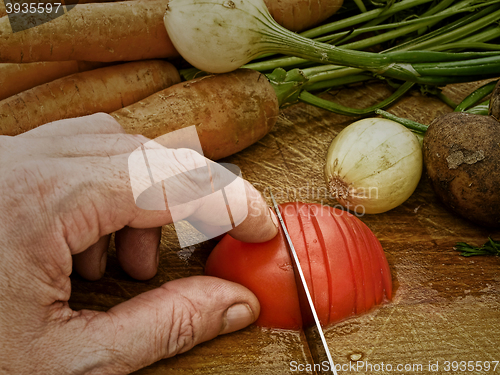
454,73
476,97
469,105
403,62
480,109
222,35
405,28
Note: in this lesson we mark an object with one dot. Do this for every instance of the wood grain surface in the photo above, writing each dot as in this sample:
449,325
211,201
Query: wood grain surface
446,307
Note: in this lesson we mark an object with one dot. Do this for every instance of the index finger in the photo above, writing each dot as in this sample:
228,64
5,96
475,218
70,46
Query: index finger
213,197
108,203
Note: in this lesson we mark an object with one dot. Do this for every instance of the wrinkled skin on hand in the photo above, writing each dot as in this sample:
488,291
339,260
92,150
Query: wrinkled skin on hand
65,188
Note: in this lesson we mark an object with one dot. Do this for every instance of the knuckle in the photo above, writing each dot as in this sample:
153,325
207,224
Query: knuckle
182,332
134,140
108,121
25,184
104,333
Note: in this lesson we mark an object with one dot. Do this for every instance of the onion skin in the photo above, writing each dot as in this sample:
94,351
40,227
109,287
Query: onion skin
373,165
221,48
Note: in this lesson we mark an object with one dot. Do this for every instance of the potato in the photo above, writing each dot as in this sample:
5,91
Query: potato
462,158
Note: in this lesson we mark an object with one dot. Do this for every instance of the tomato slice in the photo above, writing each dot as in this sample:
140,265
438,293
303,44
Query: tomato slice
343,263
342,282
297,218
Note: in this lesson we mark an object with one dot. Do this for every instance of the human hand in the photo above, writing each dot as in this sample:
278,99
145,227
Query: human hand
65,188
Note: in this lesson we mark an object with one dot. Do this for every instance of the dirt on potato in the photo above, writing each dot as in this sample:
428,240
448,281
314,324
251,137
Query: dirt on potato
462,159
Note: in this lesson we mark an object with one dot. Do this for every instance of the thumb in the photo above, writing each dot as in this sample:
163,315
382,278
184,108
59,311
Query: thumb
162,323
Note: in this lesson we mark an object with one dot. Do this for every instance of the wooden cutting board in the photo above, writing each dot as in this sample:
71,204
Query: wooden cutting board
446,308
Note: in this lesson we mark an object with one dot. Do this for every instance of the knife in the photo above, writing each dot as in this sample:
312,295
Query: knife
320,352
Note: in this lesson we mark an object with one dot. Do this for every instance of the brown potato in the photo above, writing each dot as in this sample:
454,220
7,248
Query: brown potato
462,158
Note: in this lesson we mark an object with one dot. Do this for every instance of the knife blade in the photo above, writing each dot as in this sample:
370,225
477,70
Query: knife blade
319,352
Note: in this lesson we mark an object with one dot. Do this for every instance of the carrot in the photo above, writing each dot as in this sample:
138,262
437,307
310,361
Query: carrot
15,78
231,111
100,90
116,31
298,15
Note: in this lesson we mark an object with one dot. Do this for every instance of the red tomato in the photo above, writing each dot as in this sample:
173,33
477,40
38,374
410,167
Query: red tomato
342,260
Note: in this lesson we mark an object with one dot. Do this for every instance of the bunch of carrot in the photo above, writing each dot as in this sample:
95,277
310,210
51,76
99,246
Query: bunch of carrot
116,57
97,57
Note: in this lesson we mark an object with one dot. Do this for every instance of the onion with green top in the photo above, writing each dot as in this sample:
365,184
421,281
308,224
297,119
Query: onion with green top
219,36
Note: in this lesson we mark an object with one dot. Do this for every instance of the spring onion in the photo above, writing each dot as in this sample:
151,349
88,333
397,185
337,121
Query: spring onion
476,96
222,35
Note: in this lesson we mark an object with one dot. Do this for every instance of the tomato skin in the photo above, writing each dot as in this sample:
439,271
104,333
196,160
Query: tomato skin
342,260
266,270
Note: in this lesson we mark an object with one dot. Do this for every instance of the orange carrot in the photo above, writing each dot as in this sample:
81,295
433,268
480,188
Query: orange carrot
298,15
15,78
116,31
231,111
100,90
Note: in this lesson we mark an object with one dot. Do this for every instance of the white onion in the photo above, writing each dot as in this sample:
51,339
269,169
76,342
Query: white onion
373,165
218,36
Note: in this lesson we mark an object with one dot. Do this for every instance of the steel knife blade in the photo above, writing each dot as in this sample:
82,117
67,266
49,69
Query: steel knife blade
321,352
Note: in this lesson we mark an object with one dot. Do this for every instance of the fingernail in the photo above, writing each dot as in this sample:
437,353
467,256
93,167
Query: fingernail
273,216
102,265
237,317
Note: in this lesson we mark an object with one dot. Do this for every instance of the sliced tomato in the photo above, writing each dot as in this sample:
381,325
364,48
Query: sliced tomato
342,281
342,261
266,270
